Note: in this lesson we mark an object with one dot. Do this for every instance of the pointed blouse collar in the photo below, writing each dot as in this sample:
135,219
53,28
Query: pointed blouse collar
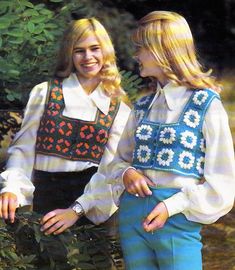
173,94
98,96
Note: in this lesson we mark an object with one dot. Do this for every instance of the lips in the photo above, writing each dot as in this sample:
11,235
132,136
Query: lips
89,64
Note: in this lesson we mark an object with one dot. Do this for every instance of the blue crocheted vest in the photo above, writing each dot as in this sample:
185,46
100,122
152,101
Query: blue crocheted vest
70,138
176,147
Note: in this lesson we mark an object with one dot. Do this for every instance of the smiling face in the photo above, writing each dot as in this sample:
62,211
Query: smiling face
148,65
88,58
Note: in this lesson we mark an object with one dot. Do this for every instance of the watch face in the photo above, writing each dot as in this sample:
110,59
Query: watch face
78,209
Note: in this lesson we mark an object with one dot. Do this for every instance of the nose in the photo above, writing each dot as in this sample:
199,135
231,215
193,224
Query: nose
87,54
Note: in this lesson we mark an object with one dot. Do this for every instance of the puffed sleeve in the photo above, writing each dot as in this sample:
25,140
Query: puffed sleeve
207,202
17,176
123,158
97,200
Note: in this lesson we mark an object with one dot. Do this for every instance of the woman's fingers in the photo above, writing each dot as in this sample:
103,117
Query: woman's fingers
137,183
56,226
156,218
58,220
8,205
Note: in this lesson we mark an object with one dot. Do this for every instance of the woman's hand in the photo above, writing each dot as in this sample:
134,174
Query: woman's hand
58,221
8,205
136,183
157,218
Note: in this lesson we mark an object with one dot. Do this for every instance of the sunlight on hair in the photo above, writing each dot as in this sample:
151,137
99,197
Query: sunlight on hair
168,37
80,29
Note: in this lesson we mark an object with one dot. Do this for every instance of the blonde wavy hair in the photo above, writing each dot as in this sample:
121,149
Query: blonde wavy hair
168,37
82,28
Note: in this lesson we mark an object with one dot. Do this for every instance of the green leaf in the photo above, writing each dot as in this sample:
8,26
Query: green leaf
40,38
51,25
0,42
13,256
4,23
39,7
26,3
30,26
39,50
56,1
18,40
14,72
46,12
15,32
38,19
5,4
30,13
38,234
48,35
39,28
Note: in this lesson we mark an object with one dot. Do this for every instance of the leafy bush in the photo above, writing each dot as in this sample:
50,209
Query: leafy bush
29,36
24,246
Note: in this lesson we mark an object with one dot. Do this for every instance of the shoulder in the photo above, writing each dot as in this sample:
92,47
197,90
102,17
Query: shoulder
217,109
39,89
123,112
201,96
124,107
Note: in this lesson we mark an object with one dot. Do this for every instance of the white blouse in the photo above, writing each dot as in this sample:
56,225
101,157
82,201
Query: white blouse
202,202
23,159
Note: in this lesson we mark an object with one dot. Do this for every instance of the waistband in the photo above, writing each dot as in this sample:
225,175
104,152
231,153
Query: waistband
57,176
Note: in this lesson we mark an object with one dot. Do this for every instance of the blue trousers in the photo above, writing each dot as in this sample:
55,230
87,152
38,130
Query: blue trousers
176,246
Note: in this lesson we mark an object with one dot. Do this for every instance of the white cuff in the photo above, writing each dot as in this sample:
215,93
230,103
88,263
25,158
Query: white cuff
85,202
176,203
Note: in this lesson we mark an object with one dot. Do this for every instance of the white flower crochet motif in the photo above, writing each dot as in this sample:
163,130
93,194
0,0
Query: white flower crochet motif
143,153
203,145
144,132
165,157
192,118
167,135
188,139
186,160
200,165
143,100
200,97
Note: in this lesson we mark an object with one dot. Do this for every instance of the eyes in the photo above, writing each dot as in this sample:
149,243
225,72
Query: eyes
95,48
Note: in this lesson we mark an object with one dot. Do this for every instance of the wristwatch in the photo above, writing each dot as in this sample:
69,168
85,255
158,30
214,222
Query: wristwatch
78,209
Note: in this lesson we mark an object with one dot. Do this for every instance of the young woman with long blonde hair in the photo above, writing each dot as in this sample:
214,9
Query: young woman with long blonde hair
175,160
71,128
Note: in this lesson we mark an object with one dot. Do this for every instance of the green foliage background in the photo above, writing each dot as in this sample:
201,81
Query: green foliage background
30,32
29,36
24,246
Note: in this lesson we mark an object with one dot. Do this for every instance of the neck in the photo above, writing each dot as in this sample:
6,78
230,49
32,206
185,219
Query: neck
89,85
163,82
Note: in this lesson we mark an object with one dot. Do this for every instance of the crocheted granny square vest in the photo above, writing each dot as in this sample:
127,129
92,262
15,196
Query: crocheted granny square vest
70,138
175,147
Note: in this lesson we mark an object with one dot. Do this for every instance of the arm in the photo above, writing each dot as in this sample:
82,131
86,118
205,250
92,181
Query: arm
17,188
208,201
97,200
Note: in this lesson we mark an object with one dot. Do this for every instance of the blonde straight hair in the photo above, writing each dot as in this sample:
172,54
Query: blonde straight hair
168,37
80,29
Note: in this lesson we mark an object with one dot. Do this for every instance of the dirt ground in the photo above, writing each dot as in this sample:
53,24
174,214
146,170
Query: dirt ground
219,244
